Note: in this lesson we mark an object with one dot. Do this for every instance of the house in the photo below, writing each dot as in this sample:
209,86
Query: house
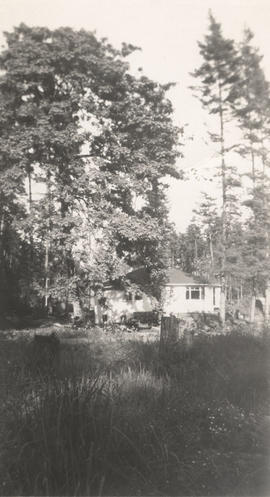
182,294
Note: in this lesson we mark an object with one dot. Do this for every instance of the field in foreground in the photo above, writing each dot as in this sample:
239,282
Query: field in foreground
115,418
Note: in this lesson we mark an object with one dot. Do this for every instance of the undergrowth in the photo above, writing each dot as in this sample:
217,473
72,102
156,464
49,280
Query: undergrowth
123,419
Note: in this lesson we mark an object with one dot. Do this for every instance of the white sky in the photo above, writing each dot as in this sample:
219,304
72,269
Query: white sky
167,31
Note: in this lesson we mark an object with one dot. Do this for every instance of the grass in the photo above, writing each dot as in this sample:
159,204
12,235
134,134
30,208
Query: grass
118,418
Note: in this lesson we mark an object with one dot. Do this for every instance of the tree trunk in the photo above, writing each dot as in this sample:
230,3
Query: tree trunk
46,270
267,283
195,249
47,241
30,204
253,173
2,262
223,214
211,250
252,308
222,304
238,296
29,191
267,302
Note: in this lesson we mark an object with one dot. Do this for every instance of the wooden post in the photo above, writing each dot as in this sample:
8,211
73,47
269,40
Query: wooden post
169,332
46,267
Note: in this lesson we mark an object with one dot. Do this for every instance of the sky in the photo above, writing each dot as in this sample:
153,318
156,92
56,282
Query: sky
167,31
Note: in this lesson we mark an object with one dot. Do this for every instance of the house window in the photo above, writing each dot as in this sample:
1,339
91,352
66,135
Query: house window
129,296
195,293
138,296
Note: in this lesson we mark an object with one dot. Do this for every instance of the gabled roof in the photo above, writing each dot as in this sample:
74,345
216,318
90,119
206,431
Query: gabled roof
175,276
178,277
139,277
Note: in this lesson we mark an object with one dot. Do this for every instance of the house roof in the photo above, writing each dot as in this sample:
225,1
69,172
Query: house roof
175,276
140,277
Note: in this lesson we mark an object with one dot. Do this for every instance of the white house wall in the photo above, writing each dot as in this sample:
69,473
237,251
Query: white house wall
117,305
175,302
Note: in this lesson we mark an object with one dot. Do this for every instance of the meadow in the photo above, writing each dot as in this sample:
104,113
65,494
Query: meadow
117,417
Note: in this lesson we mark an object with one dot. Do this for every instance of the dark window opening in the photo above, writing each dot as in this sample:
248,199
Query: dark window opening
195,293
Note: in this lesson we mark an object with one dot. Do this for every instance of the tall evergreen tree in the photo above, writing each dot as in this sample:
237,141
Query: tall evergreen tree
217,74
251,108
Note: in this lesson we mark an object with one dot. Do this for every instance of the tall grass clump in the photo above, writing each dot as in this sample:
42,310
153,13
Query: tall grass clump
84,437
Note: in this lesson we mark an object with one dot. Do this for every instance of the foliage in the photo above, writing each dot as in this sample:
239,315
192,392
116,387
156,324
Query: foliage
115,424
217,75
251,103
235,241
77,125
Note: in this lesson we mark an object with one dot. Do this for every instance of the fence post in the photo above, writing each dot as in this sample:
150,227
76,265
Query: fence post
169,332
